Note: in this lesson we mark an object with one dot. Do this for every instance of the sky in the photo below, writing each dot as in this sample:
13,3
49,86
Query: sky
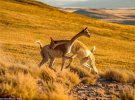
91,3
60,2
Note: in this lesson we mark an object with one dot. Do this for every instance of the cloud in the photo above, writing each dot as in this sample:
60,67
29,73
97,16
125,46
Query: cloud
91,3
70,0
60,2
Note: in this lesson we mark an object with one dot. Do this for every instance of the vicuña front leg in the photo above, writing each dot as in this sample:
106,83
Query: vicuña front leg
63,61
44,60
71,60
51,63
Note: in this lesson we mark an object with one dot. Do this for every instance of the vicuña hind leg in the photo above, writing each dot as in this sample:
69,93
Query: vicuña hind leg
71,60
63,61
51,62
44,60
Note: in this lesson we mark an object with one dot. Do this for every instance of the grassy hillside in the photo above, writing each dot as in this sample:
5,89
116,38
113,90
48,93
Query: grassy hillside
121,16
22,22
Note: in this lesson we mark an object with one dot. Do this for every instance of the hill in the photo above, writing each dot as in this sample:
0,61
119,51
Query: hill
22,22
121,16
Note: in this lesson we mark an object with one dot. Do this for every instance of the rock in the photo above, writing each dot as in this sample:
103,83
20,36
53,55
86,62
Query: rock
107,92
102,90
85,86
112,91
103,84
111,85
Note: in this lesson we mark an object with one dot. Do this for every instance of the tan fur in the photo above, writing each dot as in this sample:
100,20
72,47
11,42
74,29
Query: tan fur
81,51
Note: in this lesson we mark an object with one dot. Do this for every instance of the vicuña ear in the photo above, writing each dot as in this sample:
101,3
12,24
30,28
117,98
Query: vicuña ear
51,39
93,49
85,28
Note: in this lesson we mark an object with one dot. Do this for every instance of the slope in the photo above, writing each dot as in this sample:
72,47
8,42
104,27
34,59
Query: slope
22,22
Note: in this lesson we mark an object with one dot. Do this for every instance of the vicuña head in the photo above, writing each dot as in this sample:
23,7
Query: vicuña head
55,43
85,32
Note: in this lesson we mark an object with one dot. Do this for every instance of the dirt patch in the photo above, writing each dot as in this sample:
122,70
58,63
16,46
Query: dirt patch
102,90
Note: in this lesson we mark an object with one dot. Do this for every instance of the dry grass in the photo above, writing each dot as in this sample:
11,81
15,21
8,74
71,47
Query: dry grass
21,23
47,75
29,82
89,80
128,94
119,75
87,77
82,72
57,92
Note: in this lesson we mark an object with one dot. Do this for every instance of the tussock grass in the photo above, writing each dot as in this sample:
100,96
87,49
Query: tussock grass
89,80
119,75
82,72
16,68
87,77
47,75
19,85
57,92
27,81
74,78
68,78
128,94
21,23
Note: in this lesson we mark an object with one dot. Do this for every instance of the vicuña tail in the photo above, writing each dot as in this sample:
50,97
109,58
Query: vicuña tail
39,42
93,49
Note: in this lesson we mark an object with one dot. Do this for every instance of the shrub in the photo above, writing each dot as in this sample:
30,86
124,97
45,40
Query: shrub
68,78
128,95
55,91
119,75
74,78
16,68
82,72
20,85
48,75
89,80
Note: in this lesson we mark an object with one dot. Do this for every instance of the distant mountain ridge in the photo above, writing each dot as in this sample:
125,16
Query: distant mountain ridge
121,16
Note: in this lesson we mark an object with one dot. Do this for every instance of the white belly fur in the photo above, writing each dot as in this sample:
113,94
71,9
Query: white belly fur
69,50
88,52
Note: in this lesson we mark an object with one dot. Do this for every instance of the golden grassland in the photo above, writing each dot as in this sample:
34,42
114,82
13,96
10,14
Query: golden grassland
22,22
28,81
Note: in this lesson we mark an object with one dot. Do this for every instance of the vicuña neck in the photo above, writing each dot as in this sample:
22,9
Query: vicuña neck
74,38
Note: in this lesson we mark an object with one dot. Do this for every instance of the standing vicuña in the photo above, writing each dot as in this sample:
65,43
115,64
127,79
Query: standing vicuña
60,50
